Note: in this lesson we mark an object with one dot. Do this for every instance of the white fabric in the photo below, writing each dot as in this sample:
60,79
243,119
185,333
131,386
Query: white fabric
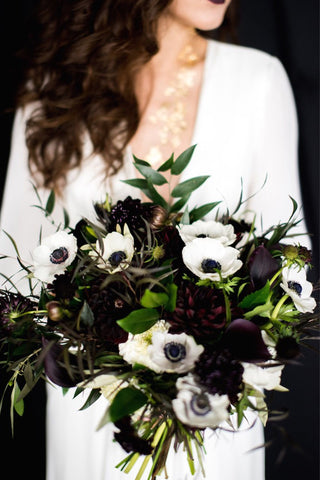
246,128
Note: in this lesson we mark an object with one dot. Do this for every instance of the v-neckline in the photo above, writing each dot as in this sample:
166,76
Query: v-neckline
207,60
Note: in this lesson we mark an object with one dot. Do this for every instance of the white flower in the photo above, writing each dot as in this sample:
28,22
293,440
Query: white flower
268,377
209,258
195,407
117,251
55,253
201,229
99,381
108,384
270,343
295,284
174,353
135,349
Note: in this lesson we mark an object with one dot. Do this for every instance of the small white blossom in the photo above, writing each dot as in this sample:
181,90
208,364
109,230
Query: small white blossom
268,377
295,284
55,253
201,229
99,381
135,349
208,259
174,353
195,407
117,251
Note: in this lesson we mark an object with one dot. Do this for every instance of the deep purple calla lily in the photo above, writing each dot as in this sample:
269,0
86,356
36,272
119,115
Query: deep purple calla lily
57,374
262,266
243,338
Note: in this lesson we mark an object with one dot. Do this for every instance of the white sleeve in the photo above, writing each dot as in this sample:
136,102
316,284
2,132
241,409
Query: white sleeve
20,218
276,151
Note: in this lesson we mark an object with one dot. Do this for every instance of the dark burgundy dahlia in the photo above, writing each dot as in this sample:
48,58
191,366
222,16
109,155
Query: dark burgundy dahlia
200,312
220,373
108,306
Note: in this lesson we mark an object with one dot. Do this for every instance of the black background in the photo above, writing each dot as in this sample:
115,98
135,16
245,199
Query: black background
288,29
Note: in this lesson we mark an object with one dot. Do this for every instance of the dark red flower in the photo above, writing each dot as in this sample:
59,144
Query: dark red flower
262,266
200,312
220,373
108,305
243,338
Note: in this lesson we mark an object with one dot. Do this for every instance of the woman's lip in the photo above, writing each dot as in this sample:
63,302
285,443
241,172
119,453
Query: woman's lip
217,2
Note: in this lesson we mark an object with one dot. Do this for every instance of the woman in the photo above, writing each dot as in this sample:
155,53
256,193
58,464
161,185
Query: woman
111,78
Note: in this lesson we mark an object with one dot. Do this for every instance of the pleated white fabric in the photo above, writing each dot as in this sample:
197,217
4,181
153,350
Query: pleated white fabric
246,129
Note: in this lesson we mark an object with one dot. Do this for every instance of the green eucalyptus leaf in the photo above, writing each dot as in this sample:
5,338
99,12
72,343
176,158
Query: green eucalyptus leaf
176,207
166,165
188,186
155,177
50,203
182,161
155,196
153,299
126,402
185,219
140,183
200,212
17,402
66,219
94,395
139,321
86,315
139,161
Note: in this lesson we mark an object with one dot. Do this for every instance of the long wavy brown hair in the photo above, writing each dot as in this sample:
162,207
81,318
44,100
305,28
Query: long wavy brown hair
81,63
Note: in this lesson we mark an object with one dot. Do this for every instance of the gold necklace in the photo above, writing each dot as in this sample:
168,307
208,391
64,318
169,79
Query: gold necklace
171,115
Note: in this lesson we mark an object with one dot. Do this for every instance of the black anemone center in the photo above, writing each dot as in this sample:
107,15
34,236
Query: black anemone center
295,286
59,255
200,404
175,352
201,235
116,258
210,266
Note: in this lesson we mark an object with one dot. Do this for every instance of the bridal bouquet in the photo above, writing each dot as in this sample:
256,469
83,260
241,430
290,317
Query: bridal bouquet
180,321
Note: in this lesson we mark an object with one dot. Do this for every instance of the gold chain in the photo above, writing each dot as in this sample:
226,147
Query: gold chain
171,115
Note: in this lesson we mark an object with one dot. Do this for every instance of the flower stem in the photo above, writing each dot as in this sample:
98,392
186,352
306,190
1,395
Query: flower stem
277,307
275,276
145,462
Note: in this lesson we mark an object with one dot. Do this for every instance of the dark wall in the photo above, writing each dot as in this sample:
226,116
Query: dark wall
289,30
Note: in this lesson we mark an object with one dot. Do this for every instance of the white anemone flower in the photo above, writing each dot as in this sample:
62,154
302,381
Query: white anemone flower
208,258
174,352
195,407
135,349
267,377
117,251
201,229
295,284
55,253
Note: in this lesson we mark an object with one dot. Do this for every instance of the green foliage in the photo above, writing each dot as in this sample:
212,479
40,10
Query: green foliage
140,320
127,401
